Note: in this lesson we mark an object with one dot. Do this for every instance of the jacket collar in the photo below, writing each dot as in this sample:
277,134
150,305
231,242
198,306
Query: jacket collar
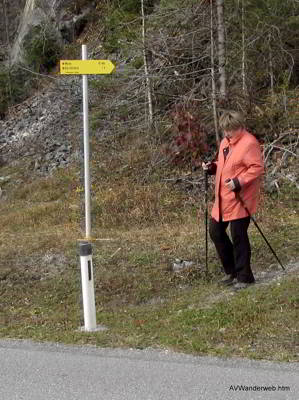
235,138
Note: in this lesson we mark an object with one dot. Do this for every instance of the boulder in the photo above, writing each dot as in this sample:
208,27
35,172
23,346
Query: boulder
67,24
36,13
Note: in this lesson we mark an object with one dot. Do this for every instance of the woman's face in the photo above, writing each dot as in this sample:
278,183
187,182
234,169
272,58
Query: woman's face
230,134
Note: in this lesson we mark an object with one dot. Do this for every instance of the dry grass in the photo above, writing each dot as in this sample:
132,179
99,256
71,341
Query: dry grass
149,223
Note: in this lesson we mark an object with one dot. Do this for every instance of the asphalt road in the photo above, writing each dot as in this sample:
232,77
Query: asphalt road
55,372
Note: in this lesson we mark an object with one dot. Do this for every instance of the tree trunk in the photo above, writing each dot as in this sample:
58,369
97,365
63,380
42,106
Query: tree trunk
9,49
147,78
221,48
271,73
214,97
244,87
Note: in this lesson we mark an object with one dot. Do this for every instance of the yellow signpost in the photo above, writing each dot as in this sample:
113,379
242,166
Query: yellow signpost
86,67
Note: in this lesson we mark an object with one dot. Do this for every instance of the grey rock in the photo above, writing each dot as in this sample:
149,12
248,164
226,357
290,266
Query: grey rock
180,265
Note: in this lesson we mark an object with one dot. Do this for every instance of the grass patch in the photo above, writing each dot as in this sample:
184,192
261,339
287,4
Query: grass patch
260,323
149,223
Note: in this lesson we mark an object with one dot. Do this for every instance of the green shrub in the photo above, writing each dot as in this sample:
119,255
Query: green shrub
15,85
132,6
138,62
4,92
42,48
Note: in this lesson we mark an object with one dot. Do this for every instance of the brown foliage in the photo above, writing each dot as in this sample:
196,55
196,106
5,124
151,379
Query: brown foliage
189,144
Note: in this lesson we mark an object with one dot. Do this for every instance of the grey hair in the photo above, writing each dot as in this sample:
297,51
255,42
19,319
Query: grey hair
231,121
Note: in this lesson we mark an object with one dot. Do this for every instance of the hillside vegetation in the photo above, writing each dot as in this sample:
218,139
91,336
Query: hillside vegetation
147,195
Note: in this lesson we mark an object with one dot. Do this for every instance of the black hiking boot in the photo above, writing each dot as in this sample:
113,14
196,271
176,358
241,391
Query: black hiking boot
228,281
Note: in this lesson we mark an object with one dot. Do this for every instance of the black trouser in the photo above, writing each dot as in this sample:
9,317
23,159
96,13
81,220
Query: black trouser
235,255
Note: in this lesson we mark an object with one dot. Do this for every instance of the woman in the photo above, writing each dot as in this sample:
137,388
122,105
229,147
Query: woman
238,171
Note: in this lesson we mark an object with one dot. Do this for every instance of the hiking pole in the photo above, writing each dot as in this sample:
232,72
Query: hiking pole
238,197
206,218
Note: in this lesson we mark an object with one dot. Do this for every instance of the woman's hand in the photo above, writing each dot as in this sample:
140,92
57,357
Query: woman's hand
206,166
230,184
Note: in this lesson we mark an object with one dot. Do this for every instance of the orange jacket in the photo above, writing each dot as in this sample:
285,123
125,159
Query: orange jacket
244,162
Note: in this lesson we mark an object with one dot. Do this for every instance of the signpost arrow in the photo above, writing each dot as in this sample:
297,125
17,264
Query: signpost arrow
86,67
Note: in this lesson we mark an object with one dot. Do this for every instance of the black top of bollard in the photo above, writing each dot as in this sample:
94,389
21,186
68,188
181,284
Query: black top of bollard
85,249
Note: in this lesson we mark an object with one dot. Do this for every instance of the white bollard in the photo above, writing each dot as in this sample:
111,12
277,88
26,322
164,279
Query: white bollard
87,287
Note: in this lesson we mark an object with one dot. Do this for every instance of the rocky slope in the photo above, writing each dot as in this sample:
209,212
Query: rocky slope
41,128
